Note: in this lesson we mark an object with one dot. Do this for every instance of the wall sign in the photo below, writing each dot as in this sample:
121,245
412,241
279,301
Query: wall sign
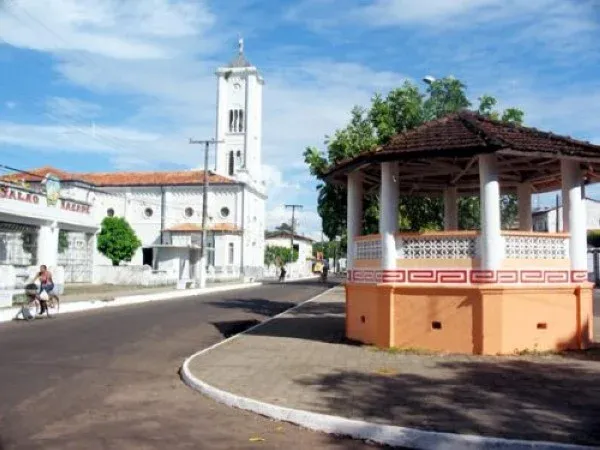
15,194
11,193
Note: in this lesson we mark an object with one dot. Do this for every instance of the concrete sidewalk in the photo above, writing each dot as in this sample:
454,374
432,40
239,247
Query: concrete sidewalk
84,302
298,367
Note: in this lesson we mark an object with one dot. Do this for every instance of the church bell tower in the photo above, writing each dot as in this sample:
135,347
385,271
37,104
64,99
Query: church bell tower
239,120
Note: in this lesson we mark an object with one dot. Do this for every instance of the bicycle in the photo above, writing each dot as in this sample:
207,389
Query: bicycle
33,294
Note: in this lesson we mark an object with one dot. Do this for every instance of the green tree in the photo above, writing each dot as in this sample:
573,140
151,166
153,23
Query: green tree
117,240
401,110
275,254
330,249
287,227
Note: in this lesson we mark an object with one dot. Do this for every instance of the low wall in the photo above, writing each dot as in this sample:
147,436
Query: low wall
132,276
487,319
13,280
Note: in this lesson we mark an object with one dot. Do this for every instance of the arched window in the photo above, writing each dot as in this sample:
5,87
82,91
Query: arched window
231,120
241,121
231,163
231,252
238,159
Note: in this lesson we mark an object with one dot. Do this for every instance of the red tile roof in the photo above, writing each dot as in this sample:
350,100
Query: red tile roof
198,227
464,134
181,177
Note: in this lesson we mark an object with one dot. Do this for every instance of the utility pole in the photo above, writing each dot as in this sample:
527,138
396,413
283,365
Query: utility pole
200,272
293,207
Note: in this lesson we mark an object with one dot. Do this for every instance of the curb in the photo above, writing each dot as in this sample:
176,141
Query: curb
358,429
9,314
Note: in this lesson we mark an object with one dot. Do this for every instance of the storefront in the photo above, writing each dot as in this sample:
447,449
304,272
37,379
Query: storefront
46,224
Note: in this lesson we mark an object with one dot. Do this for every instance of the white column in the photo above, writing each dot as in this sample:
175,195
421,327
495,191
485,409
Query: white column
492,246
574,220
354,213
450,208
47,245
388,214
524,204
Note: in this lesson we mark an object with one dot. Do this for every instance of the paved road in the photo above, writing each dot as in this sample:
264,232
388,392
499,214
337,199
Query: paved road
109,379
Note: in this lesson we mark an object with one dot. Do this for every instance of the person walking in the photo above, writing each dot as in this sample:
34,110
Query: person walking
282,274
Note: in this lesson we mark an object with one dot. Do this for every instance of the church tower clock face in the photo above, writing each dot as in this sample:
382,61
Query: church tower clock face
236,86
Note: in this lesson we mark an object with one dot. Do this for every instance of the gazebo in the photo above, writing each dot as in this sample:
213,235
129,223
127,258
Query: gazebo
484,291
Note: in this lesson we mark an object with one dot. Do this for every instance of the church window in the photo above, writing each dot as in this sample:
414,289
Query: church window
110,212
148,212
236,120
224,212
231,163
238,159
189,212
231,255
241,121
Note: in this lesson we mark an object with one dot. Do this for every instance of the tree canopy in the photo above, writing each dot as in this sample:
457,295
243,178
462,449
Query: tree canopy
402,109
117,240
278,256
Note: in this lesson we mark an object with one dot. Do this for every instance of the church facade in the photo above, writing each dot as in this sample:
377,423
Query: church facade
164,208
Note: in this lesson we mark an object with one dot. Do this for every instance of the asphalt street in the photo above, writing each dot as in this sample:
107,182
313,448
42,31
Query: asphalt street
108,379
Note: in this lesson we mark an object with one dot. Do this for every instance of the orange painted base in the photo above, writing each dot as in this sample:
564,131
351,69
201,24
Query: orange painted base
484,319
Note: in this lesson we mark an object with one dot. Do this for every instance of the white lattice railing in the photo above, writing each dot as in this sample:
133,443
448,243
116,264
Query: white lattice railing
535,245
465,245
368,247
442,245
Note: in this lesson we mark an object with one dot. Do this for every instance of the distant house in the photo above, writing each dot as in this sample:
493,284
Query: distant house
547,220
302,244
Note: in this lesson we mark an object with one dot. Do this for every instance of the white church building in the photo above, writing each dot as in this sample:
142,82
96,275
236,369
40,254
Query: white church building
164,208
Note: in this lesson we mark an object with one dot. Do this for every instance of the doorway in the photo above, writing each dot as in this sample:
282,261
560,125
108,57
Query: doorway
148,257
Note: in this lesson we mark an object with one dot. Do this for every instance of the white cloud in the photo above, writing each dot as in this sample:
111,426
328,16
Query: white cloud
176,94
111,28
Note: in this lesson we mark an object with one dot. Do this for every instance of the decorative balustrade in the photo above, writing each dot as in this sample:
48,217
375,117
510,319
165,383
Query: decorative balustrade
442,245
465,245
524,245
368,247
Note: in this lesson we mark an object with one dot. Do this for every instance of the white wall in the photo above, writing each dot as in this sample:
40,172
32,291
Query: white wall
549,218
132,276
301,267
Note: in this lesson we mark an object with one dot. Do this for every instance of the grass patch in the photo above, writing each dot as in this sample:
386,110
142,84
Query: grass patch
403,350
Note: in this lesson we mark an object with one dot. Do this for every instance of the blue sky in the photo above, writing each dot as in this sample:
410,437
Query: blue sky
143,73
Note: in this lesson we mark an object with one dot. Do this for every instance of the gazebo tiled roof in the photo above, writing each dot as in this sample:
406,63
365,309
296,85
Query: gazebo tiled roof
441,153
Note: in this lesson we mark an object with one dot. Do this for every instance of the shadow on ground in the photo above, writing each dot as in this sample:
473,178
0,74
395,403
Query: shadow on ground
552,397
516,399
261,306
323,322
